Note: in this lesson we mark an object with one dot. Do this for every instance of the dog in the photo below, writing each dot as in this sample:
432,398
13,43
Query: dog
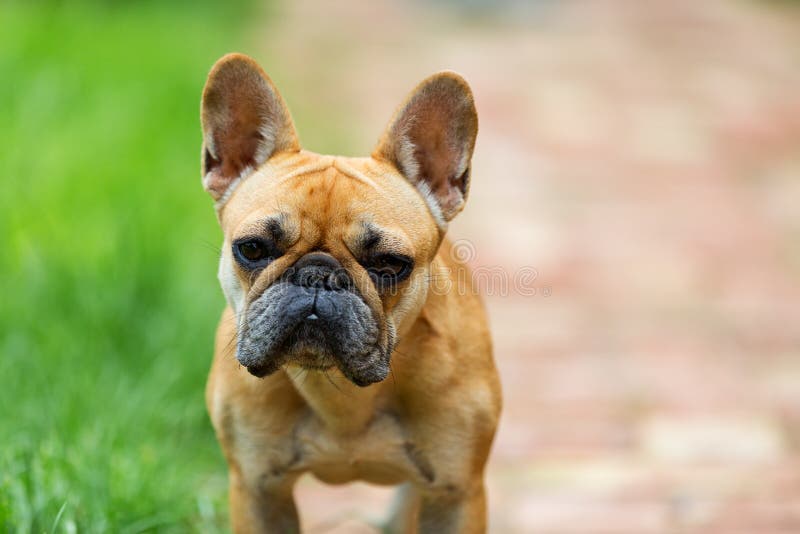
346,348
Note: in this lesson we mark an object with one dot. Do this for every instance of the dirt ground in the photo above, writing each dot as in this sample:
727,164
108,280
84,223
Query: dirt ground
642,160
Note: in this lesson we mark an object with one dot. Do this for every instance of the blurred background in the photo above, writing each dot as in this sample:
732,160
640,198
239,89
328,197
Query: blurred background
642,157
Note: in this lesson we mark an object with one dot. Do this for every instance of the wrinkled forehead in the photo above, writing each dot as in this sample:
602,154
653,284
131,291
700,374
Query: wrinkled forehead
317,195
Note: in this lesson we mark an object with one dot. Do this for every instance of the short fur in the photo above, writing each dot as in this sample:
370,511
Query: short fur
390,387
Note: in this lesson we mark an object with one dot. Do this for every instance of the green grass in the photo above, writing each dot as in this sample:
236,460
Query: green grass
108,296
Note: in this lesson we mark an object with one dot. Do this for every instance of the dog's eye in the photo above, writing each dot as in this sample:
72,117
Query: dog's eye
387,269
253,253
253,250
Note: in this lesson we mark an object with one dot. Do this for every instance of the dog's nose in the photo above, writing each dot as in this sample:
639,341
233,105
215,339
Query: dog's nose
319,270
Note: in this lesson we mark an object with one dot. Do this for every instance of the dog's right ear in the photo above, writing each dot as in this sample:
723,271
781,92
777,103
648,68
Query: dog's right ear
245,122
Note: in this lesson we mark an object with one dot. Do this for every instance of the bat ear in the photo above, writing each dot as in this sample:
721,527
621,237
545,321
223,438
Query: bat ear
245,122
430,140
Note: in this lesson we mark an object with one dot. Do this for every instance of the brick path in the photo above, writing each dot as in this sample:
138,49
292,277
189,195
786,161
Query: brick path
645,158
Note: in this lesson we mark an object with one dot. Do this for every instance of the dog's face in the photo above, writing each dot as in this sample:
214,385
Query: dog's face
322,260
327,258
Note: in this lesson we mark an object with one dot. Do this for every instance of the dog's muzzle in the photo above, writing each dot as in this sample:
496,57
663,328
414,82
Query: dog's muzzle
315,317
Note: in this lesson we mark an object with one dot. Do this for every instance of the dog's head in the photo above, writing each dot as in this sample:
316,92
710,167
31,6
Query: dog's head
326,258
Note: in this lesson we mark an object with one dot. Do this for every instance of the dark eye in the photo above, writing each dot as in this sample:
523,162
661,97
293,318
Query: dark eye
388,269
253,252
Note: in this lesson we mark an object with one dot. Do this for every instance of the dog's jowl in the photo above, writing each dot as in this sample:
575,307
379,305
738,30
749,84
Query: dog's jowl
343,351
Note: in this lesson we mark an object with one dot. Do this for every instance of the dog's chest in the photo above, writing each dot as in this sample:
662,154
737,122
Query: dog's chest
381,453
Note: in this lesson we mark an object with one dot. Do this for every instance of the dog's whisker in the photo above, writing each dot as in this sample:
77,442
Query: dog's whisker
209,246
325,372
299,372
305,377
391,371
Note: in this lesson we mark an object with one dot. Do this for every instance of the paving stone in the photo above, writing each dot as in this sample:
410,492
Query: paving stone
712,438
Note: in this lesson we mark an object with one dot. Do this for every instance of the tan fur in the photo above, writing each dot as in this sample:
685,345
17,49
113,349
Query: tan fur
430,424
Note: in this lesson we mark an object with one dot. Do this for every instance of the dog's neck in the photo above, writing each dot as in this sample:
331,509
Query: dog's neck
341,405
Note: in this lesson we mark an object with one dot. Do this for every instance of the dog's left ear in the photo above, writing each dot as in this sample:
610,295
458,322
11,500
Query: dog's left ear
431,138
245,122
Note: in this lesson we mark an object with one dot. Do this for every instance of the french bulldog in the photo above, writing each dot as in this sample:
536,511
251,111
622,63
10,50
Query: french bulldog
346,348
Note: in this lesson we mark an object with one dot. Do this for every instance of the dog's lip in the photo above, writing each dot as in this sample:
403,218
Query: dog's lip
262,367
268,363
259,371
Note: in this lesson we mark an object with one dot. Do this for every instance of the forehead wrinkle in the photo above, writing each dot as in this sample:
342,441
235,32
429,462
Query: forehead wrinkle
317,166
355,174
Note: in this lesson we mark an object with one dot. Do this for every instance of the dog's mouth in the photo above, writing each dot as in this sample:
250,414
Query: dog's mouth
303,351
309,346
306,346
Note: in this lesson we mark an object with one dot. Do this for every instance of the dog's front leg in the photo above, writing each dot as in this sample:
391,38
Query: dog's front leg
453,510
262,510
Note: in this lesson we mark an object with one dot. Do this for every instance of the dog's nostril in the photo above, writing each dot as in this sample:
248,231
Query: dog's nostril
339,279
311,277
319,270
316,278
